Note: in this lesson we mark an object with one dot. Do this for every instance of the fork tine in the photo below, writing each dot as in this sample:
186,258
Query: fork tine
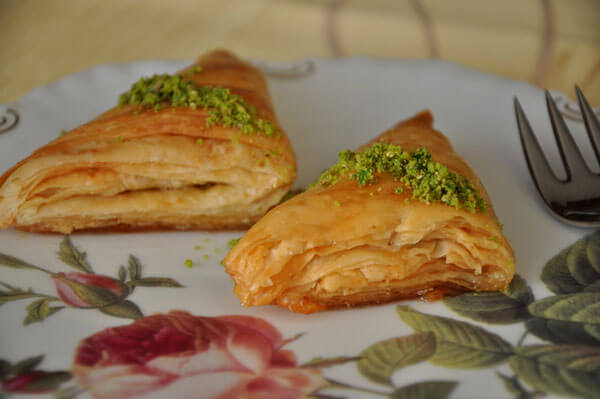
569,152
542,174
592,124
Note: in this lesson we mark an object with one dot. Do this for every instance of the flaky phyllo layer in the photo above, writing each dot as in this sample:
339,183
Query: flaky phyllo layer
346,245
134,168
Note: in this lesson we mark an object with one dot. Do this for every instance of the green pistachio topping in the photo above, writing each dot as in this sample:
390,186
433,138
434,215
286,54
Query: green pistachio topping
188,263
429,181
226,108
233,242
494,239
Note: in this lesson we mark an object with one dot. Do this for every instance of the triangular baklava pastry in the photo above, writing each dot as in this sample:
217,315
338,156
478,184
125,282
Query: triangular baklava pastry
404,216
201,149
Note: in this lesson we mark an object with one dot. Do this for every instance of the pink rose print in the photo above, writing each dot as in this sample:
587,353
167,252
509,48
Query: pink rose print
178,355
83,290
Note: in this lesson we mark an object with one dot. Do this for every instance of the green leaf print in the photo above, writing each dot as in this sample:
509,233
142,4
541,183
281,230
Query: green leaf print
593,250
379,361
425,390
582,307
134,268
125,309
575,268
15,296
39,310
70,255
155,282
593,330
17,263
570,370
49,381
459,344
26,365
580,267
594,287
563,332
322,362
122,274
495,307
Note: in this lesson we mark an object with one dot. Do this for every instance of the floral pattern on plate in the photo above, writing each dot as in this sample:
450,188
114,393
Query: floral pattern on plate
181,355
82,289
176,354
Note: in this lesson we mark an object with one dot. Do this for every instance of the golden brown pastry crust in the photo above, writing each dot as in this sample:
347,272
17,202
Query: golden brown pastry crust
308,254
132,169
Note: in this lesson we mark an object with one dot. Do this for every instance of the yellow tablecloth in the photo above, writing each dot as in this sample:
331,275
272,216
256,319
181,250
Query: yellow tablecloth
551,43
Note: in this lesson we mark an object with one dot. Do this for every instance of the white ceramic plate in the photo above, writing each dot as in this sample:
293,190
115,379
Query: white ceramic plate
325,106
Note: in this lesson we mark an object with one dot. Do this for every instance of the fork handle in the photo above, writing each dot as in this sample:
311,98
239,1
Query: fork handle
585,212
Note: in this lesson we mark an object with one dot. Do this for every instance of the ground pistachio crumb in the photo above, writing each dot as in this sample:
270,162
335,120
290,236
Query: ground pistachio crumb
336,203
428,180
199,141
198,247
494,239
226,108
188,263
63,132
233,242
119,139
206,256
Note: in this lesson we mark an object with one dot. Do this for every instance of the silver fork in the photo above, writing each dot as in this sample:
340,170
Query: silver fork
575,200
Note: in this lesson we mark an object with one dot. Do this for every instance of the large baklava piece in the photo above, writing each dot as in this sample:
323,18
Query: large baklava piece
201,149
402,217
